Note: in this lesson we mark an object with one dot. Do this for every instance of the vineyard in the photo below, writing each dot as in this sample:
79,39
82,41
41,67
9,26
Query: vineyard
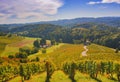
64,63
71,70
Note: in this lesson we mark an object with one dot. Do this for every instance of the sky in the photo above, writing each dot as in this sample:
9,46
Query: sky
26,11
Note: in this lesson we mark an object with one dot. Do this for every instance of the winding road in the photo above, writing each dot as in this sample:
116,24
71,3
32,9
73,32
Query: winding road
84,53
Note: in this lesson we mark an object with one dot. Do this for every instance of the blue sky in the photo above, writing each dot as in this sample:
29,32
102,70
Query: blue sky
25,11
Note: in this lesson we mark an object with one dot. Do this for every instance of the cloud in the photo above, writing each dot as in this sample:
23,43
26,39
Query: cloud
23,9
104,1
92,3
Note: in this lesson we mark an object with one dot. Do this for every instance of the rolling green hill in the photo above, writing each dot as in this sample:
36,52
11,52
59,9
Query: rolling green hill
4,41
11,45
70,52
96,33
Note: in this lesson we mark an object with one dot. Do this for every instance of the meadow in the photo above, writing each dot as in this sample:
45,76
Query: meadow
11,45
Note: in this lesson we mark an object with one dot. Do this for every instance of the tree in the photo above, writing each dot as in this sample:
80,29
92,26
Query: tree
117,70
37,59
10,56
117,50
53,42
50,70
36,43
21,55
42,42
21,72
60,40
69,68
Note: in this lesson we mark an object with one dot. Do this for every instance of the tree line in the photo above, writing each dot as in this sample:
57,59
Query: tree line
97,33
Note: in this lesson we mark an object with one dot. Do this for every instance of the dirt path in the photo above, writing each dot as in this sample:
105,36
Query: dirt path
84,53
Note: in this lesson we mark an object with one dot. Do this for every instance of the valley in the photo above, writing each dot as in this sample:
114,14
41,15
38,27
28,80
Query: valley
81,52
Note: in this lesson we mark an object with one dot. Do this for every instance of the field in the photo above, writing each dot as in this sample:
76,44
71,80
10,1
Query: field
4,41
61,53
11,45
97,52
68,52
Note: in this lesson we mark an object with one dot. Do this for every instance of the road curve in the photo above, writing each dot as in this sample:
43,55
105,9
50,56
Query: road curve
84,53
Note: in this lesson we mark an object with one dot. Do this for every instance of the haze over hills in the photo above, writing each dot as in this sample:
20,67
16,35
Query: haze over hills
111,21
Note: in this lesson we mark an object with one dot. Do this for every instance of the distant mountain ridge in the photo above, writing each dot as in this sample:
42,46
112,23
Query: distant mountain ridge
111,21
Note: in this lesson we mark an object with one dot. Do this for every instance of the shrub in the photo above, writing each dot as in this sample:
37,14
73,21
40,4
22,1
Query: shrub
43,51
10,56
37,59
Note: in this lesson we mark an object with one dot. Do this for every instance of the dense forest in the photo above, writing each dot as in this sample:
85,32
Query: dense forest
97,33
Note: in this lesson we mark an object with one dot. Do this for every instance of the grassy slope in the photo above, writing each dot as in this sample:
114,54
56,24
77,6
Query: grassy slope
68,52
13,44
60,53
97,52
2,47
8,40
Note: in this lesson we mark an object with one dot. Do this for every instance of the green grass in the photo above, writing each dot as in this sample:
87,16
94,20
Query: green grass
97,52
16,79
4,41
2,47
49,50
10,46
68,52
61,53
59,76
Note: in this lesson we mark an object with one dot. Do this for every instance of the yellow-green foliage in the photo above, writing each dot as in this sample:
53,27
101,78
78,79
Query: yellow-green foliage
68,52
11,45
4,40
97,52
59,76
61,53
2,47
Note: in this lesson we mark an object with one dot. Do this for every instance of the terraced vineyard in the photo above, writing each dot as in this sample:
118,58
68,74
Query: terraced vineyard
59,76
66,60
62,53
97,52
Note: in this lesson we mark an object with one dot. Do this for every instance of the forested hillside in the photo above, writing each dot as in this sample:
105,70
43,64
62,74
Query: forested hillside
97,33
